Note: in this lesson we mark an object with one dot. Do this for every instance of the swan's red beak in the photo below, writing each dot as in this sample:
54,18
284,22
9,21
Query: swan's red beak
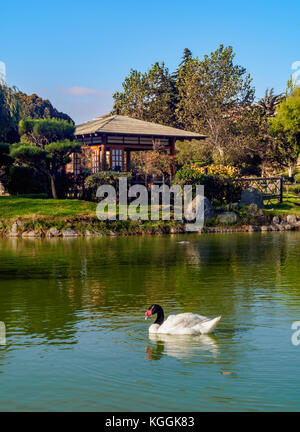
147,314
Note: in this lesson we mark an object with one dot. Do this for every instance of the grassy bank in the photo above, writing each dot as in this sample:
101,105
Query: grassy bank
290,205
38,216
30,206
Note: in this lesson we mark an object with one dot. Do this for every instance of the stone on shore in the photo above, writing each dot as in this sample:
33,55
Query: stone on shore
53,232
291,219
31,234
69,232
228,218
252,196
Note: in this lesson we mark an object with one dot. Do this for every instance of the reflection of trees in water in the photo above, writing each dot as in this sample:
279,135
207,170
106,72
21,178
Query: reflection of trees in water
45,283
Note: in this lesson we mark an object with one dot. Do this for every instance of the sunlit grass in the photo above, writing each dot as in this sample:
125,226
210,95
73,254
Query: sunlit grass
40,205
290,205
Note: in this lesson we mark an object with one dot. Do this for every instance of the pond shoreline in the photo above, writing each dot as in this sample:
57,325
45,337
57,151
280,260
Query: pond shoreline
44,227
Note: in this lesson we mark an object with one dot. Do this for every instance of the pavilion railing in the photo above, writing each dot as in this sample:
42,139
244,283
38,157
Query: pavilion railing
270,187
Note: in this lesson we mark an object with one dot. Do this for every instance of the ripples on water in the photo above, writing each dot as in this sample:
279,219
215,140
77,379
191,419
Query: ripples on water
77,338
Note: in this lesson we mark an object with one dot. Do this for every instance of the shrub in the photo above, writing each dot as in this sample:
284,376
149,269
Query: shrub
297,178
219,170
101,178
24,180
216,188
295,189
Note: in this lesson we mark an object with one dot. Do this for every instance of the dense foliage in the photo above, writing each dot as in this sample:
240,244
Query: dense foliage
35,107
46,146
103,178
217,188
15,105
212,95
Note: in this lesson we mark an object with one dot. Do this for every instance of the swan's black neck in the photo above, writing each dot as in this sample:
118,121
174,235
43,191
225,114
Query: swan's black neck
160,315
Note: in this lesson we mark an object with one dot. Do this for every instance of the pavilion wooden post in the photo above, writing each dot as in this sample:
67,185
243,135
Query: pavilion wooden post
172,154
127,160
104,147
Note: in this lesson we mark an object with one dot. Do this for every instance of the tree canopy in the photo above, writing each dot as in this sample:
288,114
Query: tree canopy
46,146
35,107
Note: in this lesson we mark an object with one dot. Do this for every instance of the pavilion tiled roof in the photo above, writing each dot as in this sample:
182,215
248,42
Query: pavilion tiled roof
123,125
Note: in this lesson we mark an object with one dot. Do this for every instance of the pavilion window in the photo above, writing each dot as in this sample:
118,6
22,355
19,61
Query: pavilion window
95,161
76,161
117,159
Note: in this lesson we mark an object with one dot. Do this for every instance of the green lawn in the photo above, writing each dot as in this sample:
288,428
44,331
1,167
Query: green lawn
39,205
290,205
28,206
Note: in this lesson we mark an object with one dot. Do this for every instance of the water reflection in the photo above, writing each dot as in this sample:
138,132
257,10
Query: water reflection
73,312
180,346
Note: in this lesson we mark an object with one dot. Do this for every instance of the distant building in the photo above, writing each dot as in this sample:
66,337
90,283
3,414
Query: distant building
2,73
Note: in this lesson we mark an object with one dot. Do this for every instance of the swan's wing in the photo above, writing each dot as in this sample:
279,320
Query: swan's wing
182,324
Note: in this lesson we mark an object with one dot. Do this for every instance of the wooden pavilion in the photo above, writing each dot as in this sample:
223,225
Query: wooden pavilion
107,142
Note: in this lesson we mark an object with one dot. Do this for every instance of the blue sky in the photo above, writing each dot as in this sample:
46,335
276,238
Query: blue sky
77,53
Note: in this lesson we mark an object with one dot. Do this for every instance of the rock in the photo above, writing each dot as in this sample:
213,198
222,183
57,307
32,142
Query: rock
291,219
289,227
254,228
14,230
228,218
113,233
31,234
69,232
276,220
208,209
3,191
279,227
53,232
265,228
252,196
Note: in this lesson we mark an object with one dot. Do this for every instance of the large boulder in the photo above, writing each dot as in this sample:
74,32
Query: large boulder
208,209
69,232
252,196
291,219
228,218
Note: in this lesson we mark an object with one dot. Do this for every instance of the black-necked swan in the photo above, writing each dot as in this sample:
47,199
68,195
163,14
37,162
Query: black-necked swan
181,324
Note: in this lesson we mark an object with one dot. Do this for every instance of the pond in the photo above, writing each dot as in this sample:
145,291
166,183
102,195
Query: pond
76,338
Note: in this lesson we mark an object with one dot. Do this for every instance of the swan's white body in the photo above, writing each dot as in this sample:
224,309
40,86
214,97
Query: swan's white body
185,324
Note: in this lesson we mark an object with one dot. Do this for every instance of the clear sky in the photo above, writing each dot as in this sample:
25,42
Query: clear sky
77,53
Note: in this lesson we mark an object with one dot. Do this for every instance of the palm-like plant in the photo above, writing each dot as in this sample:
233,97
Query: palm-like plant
270,101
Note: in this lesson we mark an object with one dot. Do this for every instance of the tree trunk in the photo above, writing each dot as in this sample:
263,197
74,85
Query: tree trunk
53,188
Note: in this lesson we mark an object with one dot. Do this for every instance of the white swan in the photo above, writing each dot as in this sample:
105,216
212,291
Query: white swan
181,324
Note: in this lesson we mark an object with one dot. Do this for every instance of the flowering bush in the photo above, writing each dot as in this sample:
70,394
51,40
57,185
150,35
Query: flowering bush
216,187
219,170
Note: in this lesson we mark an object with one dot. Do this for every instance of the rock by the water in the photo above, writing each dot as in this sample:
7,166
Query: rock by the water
291,219
69,232
53,232
265,228
252,196
276,220
228,218
31,234
254,228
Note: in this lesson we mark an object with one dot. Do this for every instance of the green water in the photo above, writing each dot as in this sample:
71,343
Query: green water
77,338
